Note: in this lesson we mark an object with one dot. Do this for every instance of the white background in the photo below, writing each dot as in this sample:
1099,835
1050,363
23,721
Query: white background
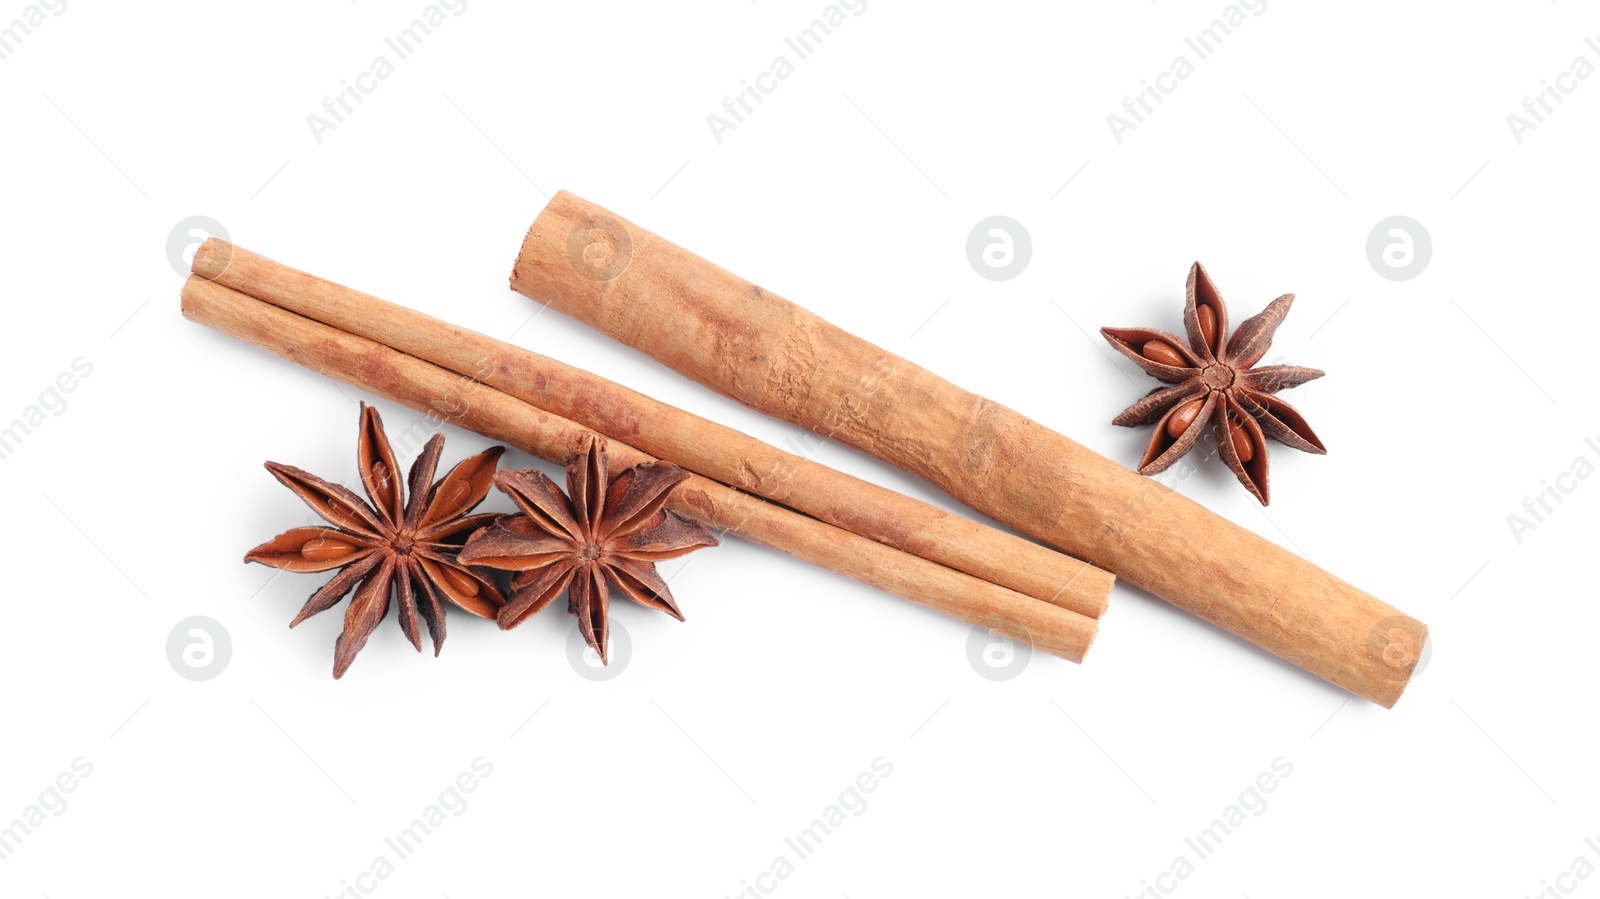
1450,398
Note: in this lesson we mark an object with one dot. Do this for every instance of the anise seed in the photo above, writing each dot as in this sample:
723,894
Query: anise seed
1183,418
1208,325
457,492
459,580
1242,444
322,549
1159,351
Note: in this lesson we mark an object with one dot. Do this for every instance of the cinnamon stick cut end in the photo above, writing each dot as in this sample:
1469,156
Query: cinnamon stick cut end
1061,633
211,260
596,245
1396,647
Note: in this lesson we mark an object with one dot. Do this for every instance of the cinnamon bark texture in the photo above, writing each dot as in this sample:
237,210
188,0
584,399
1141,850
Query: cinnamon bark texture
448,396
704,447
769,353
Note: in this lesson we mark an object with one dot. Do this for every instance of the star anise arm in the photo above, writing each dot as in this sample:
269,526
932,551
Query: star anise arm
667,537
1176,433
311,549
533,590
538,498
589,598
1281,422
1157,403
1161,354
407,600
430,606
444,536
380,473
637,495
1273,378
331,502
640,582
1243,447
514,543
420,479
366,611
1205,315
461,491
586,484
1254,337
335,589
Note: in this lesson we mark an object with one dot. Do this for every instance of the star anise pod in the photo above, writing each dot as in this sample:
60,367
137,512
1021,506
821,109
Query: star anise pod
390,546
603,536
1216,383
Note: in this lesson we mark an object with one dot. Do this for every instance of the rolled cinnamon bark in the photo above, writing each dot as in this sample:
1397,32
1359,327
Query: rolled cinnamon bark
771,354
423,386
704,447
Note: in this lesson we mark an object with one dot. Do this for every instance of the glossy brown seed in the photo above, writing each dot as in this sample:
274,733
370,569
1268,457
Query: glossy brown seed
459,580
1183,417
321,549
1208,325
1160,351
1241,441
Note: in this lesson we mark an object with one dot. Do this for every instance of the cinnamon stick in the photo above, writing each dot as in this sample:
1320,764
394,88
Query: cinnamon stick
704,447
771,354
426,387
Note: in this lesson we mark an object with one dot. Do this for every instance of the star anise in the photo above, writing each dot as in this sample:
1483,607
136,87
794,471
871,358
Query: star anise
604,536
390,545
1217,383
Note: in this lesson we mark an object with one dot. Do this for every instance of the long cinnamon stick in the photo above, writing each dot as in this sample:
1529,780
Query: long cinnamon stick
421,385
771,354
704,447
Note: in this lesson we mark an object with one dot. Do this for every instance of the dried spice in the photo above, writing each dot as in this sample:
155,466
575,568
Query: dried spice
597,536
390,546
1216,383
